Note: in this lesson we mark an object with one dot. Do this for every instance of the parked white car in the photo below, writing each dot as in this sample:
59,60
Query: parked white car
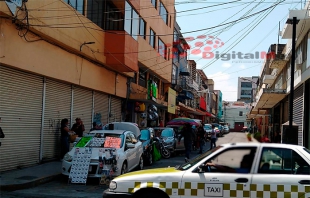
128,154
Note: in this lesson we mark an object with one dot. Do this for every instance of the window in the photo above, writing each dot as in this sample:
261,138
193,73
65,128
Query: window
131,21
163,12
152,38
237,160
174,75
240,113
76,4
162,89
142,78
142,28
246,84
162,48
154,3
105,15
282,161
175,36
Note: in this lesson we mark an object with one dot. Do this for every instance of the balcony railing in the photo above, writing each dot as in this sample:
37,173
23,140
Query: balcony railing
277,61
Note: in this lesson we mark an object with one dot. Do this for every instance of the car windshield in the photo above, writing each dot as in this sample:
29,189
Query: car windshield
207,127
145,135
98,140
167,133
196,160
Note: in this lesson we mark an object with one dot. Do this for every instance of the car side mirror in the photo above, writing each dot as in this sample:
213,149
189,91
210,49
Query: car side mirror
130,145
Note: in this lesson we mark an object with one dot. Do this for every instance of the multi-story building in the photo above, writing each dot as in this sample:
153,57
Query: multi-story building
235,114
219,104
247,88
93,60
272,99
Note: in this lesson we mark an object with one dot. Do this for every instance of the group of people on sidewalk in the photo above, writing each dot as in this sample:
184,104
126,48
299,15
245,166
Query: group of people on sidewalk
78,129
195,138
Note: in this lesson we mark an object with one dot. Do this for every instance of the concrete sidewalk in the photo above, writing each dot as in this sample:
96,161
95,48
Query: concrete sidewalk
29,177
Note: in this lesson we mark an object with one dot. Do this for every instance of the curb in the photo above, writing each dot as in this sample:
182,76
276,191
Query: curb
31,184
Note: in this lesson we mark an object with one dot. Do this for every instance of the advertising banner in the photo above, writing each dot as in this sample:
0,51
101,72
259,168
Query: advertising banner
171,101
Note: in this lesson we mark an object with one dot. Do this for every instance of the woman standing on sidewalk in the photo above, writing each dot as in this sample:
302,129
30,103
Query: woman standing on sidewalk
213,138
65,133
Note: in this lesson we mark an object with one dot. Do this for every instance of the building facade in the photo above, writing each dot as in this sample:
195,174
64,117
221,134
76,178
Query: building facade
87,69
247,88
219,105
235,114
274,90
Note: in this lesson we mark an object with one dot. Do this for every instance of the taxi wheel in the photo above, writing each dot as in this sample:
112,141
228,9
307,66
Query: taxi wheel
150,193
124,168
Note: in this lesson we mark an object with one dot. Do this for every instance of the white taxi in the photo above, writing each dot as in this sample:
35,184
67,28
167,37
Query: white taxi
107,159
256,170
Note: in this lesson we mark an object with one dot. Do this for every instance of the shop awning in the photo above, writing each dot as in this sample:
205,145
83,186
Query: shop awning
197,112
183,107
270,98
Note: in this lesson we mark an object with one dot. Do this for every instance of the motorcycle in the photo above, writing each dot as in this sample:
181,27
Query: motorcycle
164,151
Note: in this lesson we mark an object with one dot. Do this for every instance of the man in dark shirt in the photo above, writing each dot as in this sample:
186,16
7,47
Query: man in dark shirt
189,135
78,127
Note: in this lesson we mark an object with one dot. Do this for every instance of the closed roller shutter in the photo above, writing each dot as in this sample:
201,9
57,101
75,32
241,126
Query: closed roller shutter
298,111
82,106
116,109
57,107
101,106
20,111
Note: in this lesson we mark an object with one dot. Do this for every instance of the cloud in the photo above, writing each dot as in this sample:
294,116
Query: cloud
226,84
242,66
226,65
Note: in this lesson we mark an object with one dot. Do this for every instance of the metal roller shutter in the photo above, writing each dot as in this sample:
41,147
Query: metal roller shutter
57,107
101,106
82,106
116,109
298,111
20,111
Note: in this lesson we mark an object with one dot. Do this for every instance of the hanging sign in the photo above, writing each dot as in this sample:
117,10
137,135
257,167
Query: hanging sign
112,142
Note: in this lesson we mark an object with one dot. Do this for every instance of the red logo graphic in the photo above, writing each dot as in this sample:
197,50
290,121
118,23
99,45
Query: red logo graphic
202,44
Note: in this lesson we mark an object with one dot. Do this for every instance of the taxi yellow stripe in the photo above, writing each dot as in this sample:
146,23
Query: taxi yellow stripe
150,171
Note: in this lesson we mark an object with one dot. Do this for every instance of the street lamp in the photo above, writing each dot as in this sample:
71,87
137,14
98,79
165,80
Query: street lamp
294,22
86,43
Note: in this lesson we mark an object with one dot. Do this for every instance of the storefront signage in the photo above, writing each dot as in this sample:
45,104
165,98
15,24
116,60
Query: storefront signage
152,90
202,104
171,100
112,142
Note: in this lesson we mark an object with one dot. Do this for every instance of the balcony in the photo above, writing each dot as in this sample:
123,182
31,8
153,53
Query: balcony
267,98
122,56
269,79
277,61
139,93
302,16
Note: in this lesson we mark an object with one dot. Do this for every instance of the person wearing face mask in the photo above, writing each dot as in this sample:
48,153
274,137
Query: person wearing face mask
65,133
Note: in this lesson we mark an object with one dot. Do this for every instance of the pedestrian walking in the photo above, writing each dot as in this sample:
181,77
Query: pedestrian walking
201,138
1,133
188,134
78,127
213,138
65,133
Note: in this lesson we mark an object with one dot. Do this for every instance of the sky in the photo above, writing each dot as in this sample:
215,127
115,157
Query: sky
246,27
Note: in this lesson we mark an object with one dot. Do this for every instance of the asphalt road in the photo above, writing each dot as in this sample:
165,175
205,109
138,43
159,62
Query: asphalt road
60,188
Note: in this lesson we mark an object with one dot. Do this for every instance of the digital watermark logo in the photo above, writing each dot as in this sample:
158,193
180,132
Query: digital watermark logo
207,47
